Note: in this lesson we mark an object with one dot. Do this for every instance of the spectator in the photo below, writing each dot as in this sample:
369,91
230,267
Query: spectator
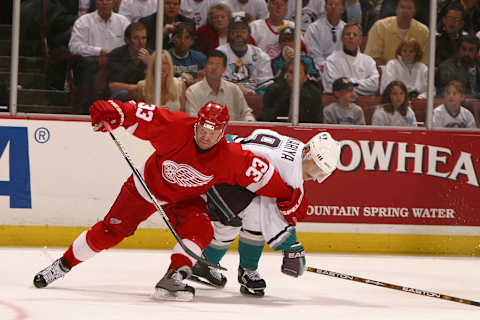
408,68
61,15
171,18
360,11
422,13
451,114
323,36
472,13
197,10
276,101
247,65
126,65
173,89
213,88
463,67
215,32
187,63
137,9
395,109
94,35
311,11
386,34
351,63
343,111
286,44
252,9
451,26
265,31
87,6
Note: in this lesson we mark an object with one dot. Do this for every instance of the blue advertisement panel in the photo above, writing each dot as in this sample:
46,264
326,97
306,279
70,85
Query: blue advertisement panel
14,147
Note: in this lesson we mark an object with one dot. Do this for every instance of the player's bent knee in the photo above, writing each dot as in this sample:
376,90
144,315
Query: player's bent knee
199,230
102,236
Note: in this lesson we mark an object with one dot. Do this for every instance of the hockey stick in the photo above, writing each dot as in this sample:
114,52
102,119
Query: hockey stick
155,202
392,286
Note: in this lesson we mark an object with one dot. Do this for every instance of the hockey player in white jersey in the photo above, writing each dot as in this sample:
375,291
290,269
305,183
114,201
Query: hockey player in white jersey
235,211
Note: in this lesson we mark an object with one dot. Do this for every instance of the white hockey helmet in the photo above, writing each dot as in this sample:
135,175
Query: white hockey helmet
325,152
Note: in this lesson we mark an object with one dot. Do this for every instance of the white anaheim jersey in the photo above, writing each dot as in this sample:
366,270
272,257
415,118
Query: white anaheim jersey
250,70
285,153
444,119
197,10
266,36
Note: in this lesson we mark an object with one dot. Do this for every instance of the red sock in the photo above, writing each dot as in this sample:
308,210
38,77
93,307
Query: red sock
178,260
70,258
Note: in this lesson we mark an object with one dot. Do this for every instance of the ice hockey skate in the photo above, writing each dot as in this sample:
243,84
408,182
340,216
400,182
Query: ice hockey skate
171,286
56,270
251,283
207,276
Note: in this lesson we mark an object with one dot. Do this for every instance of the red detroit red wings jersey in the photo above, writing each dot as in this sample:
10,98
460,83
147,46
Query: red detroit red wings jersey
177,171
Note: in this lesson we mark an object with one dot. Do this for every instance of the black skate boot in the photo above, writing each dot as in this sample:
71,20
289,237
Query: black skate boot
207,276
56,270
172,287
251,283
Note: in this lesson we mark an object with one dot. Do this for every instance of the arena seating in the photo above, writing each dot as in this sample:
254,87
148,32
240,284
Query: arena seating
368,104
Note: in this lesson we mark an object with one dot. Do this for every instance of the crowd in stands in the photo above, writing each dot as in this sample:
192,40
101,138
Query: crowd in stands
240,53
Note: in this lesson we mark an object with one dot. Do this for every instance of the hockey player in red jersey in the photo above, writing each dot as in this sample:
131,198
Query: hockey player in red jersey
191,155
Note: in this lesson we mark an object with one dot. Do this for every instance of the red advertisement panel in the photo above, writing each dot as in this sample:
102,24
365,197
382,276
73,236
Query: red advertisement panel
396,177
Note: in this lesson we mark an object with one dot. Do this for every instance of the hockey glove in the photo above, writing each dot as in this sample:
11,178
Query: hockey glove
108,111
293,263
295,209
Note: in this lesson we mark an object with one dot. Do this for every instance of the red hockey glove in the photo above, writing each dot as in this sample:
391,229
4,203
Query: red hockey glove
108,111
295,209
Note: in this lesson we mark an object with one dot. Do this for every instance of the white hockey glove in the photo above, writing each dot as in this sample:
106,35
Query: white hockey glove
293,263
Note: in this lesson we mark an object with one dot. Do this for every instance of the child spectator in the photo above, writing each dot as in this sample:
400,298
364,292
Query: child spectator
451,114
173,89
395,110
187,63
286,39
408,68
343,111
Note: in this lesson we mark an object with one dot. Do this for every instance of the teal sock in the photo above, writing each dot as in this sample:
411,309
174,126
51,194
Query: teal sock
214,255
249,255
285,245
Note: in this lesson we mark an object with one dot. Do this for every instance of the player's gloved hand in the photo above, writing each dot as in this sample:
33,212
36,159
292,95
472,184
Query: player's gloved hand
108,111
295,209
293,263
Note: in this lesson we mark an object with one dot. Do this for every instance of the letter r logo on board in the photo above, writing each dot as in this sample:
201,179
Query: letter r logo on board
15,166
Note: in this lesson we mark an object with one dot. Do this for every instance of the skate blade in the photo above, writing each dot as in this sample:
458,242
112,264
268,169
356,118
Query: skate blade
252,293
201,281
165,295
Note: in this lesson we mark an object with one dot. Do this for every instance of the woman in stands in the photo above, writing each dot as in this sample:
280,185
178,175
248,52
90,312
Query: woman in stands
214,32
408,68
395,109
173,89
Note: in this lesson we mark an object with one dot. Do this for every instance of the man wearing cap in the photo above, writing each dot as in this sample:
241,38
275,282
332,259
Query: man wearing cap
343,111
286,43
350,62
247,65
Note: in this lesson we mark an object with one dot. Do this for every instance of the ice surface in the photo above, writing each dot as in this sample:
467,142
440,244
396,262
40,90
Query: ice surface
118,284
